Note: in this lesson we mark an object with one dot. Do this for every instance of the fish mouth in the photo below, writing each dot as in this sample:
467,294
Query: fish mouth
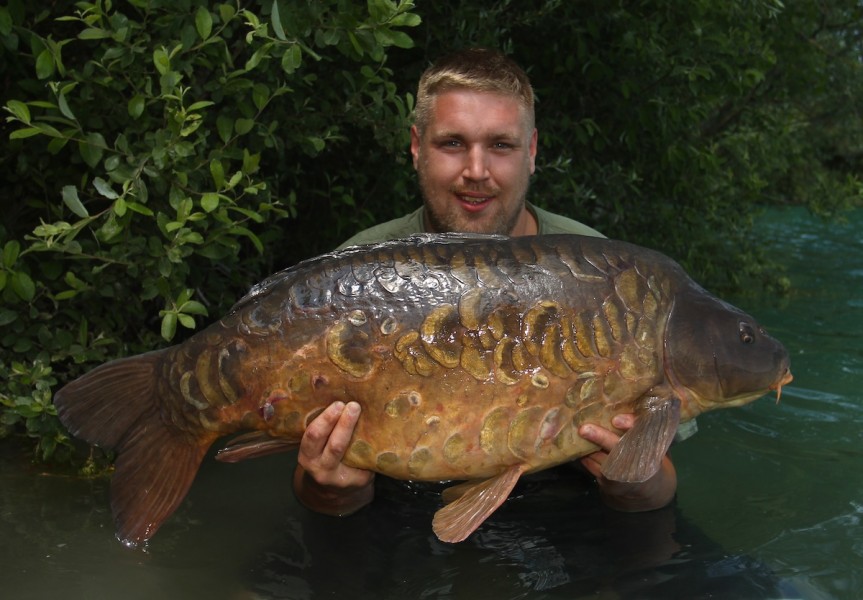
786,378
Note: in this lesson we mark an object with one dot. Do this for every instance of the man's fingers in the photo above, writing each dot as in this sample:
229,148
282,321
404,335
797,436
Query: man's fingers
341,434
319,430
623,421
600,436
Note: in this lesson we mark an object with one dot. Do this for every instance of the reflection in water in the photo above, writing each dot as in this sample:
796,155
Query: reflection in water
554,539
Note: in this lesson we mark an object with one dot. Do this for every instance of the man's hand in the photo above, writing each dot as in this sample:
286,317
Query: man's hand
656,492
321,481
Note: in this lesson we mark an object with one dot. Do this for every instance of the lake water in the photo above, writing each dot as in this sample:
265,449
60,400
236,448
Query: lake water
769,506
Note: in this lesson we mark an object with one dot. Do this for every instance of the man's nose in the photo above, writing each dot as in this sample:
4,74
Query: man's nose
476,167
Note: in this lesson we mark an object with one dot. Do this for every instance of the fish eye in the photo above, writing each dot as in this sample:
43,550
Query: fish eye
747,335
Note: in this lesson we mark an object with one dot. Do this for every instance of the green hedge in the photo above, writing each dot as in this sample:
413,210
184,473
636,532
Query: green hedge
156,151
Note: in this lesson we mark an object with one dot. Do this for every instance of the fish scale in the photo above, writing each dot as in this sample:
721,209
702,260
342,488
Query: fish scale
473,358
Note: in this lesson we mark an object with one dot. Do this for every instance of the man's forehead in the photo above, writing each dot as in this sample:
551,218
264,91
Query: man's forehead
463,111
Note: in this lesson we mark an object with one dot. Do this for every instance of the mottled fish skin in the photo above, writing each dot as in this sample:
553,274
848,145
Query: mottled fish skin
472,357
466,354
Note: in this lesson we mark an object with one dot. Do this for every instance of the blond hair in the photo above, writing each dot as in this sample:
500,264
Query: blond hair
473,69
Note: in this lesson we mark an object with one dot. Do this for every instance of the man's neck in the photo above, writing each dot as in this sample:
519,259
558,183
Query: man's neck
526,224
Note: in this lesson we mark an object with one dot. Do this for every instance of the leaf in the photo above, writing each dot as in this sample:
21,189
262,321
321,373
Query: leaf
252,237
210,201
277,22
20,134
317,143
226,12
250,162
92,148
186,321
94,33
244,126
161,61
260,95
10,253
72,202
406,20
225,127
169,326
256,217
23,286
44,64
199,105
64,106
48,130
19,109
136,106
194,307
104,188
355,43
203,22
292,59
139,208
218,173
5,21
7,316
257,57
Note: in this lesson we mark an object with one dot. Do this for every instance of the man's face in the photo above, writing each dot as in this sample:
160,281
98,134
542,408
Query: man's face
474,162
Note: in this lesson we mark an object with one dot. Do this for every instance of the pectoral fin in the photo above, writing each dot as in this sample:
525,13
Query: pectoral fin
475,501
639,453
253,445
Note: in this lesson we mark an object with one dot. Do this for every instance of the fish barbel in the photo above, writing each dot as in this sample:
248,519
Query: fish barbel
473,357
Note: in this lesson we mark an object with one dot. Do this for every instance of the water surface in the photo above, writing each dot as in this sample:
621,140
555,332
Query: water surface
769,506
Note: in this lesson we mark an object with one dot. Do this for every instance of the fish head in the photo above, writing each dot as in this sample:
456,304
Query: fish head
719,354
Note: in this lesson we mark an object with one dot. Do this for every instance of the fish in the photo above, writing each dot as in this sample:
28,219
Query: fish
475,359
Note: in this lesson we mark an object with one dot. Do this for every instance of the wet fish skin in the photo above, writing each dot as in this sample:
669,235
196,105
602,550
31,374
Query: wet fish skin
473,357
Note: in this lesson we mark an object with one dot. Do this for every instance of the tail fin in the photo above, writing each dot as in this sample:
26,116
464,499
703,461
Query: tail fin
116,406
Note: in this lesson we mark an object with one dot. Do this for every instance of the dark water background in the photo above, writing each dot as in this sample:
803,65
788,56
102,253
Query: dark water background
769,506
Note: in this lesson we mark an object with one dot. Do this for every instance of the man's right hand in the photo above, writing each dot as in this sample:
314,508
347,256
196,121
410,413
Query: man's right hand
321,481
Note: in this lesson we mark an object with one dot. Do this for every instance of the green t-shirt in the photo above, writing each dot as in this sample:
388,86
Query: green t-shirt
415,223
548,223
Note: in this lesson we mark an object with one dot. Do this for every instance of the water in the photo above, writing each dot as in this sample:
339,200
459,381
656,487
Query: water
770,500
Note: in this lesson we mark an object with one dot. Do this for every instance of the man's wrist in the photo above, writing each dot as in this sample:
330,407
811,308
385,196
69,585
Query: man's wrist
330,500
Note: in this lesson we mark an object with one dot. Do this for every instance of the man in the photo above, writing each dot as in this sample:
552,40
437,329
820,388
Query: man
474,149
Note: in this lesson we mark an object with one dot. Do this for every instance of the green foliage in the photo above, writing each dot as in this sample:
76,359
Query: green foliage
154,152
160,156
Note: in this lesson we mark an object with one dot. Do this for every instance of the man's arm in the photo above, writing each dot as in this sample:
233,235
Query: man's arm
656,492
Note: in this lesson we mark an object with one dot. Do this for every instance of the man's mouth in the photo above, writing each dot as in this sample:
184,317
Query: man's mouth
474,200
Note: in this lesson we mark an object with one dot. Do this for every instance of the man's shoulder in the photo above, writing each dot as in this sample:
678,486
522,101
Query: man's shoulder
390,230
551,223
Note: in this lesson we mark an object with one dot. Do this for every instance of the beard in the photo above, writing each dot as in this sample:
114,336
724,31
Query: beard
444,216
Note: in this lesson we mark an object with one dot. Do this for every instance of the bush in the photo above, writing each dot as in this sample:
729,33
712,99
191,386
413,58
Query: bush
154,153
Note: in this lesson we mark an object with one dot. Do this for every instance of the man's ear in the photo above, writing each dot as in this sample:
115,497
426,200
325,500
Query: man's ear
532,150
415,145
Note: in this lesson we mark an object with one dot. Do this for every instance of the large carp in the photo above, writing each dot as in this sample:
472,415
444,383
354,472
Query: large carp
473,358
